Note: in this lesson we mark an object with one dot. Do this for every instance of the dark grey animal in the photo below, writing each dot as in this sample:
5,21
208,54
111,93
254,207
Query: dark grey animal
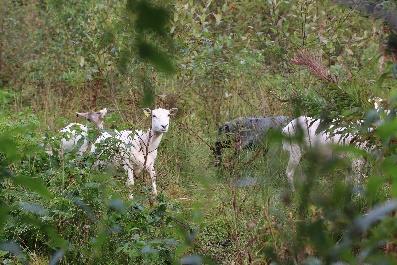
245,132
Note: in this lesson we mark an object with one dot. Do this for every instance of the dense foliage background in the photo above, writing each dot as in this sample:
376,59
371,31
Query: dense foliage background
214,60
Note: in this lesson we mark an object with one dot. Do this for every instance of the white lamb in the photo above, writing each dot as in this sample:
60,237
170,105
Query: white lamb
378,102
383,114
313,138
75,135
135,152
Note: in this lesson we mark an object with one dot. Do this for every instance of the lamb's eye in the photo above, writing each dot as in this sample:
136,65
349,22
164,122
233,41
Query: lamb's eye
154,116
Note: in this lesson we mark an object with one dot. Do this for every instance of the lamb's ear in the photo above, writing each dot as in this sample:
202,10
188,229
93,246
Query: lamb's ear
103,112
147,112
173,111
82,114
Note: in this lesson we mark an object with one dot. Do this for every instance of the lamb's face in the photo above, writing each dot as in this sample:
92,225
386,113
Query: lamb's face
95,117
160,118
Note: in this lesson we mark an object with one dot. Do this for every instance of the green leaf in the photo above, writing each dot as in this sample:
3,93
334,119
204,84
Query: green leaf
4,210
78,202
15,249
33,184
394,187
387,130
33,208
57,256
55,240
192,260
363,223
381,79
149,17
107,38
374,186
8,147
156,57
148,97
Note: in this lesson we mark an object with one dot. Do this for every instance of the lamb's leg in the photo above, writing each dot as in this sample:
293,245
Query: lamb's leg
130,177
130,174
152,174
295,155
218,153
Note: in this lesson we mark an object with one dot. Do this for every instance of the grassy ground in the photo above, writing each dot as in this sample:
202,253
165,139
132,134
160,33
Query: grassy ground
230,64
240,211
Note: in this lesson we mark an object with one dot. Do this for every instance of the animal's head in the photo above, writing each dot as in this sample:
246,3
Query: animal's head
225,128
230,127
160,118
95,117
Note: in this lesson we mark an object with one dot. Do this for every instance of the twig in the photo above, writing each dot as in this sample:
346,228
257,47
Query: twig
268,219
190,132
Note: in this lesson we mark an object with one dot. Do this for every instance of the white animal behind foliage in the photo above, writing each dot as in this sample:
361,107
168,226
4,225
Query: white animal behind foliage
378,105
314,139
75,135
378,102
383,114
138,151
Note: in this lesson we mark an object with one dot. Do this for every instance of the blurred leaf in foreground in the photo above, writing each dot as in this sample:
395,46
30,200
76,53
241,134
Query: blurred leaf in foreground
192,260
155,56
14,249
33,208
33,184
362,224
149,17
57,256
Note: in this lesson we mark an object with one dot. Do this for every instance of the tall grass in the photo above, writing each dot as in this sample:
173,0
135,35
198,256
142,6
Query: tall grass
242,213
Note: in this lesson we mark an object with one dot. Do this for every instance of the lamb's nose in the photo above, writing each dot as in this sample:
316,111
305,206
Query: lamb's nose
164,126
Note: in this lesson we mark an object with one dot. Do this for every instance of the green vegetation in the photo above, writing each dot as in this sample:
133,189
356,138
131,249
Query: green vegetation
214,61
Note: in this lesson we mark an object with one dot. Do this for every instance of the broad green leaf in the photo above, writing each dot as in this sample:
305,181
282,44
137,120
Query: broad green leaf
155,56
33,208
33,184
149,17
387,130
192,260
15,249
